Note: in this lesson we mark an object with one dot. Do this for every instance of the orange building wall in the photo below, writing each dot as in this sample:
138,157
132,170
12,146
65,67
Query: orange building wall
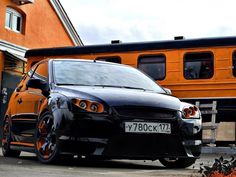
43,27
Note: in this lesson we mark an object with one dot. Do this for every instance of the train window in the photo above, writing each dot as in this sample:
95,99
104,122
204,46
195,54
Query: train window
198,65
154,66
234,64
110,59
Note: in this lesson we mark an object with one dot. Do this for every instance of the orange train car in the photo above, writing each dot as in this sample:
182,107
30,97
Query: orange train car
194,69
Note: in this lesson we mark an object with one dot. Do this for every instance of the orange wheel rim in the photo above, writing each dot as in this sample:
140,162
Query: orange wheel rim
45,142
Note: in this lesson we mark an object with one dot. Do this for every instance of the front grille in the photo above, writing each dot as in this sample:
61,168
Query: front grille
145,145
145,112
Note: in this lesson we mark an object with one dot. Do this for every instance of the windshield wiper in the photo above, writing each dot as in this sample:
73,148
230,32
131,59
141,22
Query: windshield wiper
103,85
72,84
138,88
119,86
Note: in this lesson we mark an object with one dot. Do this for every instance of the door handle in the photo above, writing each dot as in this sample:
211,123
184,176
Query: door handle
19,101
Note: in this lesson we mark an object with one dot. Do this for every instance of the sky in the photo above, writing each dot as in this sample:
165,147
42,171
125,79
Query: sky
100,21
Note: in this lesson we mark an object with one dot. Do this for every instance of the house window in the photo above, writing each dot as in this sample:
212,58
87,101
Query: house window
154,66
198,65
13,20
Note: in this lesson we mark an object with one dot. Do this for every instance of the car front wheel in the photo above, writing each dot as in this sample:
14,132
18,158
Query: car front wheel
178,162
46,145
6,139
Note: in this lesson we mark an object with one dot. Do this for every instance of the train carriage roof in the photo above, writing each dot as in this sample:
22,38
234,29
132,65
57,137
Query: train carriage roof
123,47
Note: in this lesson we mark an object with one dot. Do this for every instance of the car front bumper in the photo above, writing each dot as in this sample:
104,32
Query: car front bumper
104,135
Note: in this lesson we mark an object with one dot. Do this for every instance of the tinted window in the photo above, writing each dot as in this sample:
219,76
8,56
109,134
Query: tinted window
198,66
33,63
154,66
41,71
31,71
100,74
110,59
234,64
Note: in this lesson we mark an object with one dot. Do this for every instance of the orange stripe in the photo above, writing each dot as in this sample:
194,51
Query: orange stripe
22,144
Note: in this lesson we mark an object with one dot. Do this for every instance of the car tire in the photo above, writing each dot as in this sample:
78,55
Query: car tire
46,142
6,140
177,163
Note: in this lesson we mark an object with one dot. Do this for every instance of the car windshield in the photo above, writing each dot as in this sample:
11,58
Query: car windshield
101,74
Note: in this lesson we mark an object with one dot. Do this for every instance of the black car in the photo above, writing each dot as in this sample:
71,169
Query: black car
91,108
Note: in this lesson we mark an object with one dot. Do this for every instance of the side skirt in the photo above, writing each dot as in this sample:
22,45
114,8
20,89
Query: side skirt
21,146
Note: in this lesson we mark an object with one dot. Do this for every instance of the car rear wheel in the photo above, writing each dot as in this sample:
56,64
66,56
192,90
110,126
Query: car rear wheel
46,144
178,162
6,139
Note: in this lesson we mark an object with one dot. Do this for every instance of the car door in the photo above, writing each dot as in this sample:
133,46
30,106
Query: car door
27,103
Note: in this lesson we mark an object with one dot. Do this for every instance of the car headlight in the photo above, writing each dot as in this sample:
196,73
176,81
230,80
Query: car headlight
190,111
88,105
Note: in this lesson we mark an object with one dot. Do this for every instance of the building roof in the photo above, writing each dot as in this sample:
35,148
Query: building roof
66,22
14,49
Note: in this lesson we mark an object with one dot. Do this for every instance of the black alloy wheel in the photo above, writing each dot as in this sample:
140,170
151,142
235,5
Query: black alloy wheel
177,163
6,140
46,145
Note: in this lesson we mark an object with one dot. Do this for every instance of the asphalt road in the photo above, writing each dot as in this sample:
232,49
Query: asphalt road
27,165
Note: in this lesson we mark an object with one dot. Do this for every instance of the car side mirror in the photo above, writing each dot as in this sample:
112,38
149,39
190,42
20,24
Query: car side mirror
168,91
38,84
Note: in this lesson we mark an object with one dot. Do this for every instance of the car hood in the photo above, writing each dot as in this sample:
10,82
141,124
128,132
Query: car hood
121,96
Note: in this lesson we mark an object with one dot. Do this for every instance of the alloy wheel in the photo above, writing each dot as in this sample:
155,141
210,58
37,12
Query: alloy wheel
46,138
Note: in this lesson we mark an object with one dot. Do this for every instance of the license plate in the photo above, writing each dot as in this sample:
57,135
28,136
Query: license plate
147,127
